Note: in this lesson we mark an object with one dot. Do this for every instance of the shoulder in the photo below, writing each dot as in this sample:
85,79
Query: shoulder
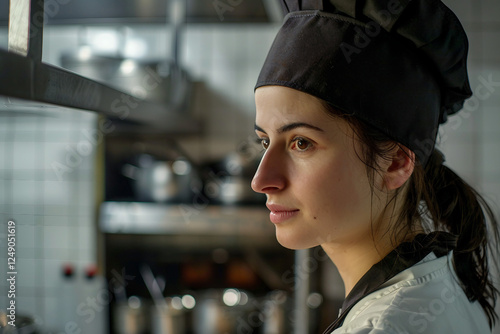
425,298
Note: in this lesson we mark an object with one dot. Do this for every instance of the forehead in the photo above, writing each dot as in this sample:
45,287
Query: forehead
275,104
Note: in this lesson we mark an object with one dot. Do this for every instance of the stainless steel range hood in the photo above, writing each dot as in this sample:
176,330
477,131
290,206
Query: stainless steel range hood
154,11
25,79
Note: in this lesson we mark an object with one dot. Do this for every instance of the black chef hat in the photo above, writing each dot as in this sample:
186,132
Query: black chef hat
399,65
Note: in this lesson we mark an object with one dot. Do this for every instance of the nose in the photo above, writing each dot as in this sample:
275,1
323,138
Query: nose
269,177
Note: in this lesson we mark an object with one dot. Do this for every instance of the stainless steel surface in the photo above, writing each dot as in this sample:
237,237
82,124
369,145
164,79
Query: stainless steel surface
26,19
275,313
225,311
24,78
153,11
164,317
153,286
168,319
19,26
131,316
185,219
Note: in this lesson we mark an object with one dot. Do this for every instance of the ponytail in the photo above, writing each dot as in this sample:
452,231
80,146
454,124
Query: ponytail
455,207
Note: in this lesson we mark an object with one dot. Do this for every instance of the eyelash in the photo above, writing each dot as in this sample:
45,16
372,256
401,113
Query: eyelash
264,142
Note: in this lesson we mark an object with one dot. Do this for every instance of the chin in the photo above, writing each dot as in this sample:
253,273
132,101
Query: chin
294,241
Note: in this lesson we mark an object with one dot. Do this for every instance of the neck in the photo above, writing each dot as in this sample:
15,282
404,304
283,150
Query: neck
354,259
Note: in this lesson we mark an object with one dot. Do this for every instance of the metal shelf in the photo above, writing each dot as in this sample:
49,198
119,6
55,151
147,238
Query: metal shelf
24,78
185,219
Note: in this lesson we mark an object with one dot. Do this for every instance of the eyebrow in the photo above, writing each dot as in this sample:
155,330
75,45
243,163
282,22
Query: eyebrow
291,126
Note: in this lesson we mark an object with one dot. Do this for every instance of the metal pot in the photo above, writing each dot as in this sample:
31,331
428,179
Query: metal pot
131,316
223,311
168,318
24,325
229,181
275,306
162,181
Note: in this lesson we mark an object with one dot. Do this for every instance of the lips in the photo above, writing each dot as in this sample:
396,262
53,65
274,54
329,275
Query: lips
280,213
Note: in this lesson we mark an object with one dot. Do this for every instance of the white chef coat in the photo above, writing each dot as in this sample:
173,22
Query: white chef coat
425,298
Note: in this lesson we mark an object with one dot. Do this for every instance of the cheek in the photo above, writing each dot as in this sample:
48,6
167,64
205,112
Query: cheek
341,191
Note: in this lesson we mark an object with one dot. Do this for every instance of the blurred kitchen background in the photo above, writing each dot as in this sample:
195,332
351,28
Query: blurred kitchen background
97,244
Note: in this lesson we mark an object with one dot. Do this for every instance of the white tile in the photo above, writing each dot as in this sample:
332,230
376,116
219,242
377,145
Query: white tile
23,219
87,237
4,149
27,136
52,314
3,264
52,272
24,174
489,11
60,123
3,295
67,254
57,237
83,194
491,47
25,236
26,211
56,192
25,123
26,273
4,196
56,210
24,155
87,255
27,252
486,86
27,304
462,158
460,127
490,154
56,220
490,125
64,159
55,154
24,191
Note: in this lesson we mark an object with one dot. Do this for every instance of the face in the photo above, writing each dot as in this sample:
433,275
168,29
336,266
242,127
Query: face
317,188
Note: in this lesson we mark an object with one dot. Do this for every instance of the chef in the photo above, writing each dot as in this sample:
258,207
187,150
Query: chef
348,106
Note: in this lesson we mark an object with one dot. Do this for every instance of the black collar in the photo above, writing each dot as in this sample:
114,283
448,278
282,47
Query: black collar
402,257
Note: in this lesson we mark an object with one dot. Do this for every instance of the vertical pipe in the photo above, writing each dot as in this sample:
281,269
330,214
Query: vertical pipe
177,13
301,292
37,17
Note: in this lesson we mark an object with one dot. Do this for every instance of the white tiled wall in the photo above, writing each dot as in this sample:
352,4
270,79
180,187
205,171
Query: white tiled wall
53,215
473,148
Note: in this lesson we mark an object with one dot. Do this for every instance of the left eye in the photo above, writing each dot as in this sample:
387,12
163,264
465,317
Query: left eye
302,144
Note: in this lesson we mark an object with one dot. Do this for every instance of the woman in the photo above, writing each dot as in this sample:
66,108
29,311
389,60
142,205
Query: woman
349,102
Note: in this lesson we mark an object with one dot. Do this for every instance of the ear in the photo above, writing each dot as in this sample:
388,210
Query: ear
400,167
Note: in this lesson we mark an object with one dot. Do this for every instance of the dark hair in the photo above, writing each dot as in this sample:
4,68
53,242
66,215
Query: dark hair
438,199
